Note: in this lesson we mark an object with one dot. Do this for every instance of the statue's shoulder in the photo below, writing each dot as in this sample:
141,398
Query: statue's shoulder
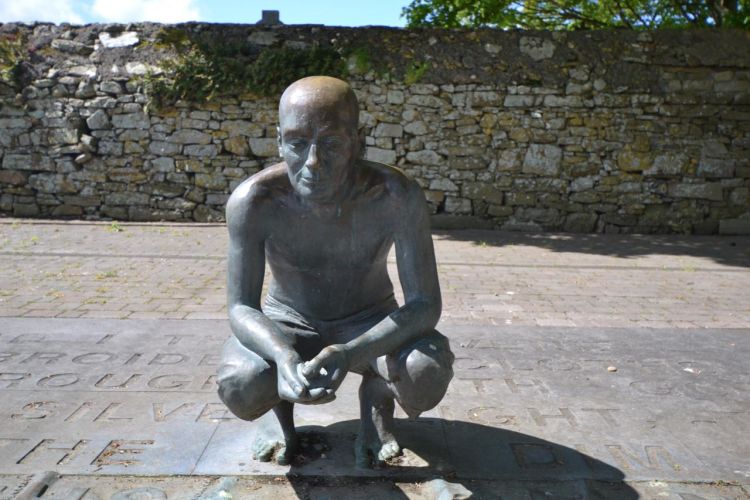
260,190
391,181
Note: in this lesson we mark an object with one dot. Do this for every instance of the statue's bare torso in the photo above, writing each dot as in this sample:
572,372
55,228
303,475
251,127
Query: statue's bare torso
330,264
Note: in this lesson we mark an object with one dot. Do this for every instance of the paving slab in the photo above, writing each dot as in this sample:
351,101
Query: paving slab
528,406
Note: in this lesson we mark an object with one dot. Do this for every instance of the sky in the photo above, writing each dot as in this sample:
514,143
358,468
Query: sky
328,12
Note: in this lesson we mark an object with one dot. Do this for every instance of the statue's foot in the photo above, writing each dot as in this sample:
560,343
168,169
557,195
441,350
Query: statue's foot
276,439
273,448
375,442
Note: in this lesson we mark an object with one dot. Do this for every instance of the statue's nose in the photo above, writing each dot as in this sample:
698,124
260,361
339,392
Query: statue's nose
313,161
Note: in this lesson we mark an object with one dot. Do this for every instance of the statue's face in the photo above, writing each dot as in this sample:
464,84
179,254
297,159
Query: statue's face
318,141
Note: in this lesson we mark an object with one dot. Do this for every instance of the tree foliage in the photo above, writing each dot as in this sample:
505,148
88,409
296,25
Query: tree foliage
578,14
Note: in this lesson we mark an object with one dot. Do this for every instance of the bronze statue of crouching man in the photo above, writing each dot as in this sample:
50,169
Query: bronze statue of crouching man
325,220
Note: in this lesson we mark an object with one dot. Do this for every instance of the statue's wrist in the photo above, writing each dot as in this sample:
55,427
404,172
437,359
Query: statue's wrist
287,356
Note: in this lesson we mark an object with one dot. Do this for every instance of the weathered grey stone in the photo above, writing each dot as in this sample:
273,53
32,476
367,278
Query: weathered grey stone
580,223
454,205
113,148
28,162
85,90
216,182
416,128
203,151
237,145
634,161
395,97
388,130
428,101
13,177
137,68
555,101
424,157
542,159
668,164
138,120
127,198
164,148
124,39
163,164
265,148
25,210
242,127
387,156
111,87
536,48
99,120
15,122
512,101
71,47
189,136
716,168
443,185
51,183
483,191
263,38
738,226
708,191
582,184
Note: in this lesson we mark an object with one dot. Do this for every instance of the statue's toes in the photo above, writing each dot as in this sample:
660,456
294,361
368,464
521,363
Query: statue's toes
389,450
282,456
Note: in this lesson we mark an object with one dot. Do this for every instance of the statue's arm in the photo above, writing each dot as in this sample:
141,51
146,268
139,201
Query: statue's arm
245,270
415,258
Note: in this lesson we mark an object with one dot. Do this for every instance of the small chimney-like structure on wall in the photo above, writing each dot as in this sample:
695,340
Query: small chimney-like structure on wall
270,17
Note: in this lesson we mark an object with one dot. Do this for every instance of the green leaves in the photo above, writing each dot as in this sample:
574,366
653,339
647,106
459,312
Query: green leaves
578,14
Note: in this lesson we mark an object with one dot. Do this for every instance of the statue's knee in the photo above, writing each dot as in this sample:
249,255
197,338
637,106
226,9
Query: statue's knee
426,371
247,393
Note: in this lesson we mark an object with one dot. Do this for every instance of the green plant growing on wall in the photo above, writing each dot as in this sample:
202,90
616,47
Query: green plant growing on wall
415,71
12,55
206,69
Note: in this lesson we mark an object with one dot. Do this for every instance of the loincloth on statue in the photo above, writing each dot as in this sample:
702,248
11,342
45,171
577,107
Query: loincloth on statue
338,331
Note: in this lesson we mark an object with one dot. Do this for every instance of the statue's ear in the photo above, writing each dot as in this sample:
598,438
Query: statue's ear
278,139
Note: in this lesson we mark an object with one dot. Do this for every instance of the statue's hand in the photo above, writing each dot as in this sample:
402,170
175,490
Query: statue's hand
293,387
328,369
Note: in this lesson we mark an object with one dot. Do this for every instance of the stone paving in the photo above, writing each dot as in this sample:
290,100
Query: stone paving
588,366
134,271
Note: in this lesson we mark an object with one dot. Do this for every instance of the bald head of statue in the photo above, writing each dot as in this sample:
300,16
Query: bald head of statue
318,139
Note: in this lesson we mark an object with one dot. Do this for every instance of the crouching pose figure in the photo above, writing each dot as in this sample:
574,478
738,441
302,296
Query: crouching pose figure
325,220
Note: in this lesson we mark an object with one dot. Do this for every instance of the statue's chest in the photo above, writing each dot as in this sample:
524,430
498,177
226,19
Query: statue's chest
349,241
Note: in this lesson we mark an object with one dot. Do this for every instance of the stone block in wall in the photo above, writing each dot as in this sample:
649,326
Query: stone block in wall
519,101
424,157
388,130
520,199
467,162
542,159
127,198
667,165
416,128
127,175
212,182
33,161
99,120
52,183
442,185
629,160
707,191
738,226
137,120
454,205
716,168
201,150
163,148
190,136
13,177
67,211
203,213
265,148
237,145
482,191
580,223
25,210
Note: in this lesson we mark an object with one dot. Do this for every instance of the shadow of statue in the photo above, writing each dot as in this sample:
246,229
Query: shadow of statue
488,461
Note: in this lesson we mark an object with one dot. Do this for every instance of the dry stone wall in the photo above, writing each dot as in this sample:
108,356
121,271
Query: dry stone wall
591,132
